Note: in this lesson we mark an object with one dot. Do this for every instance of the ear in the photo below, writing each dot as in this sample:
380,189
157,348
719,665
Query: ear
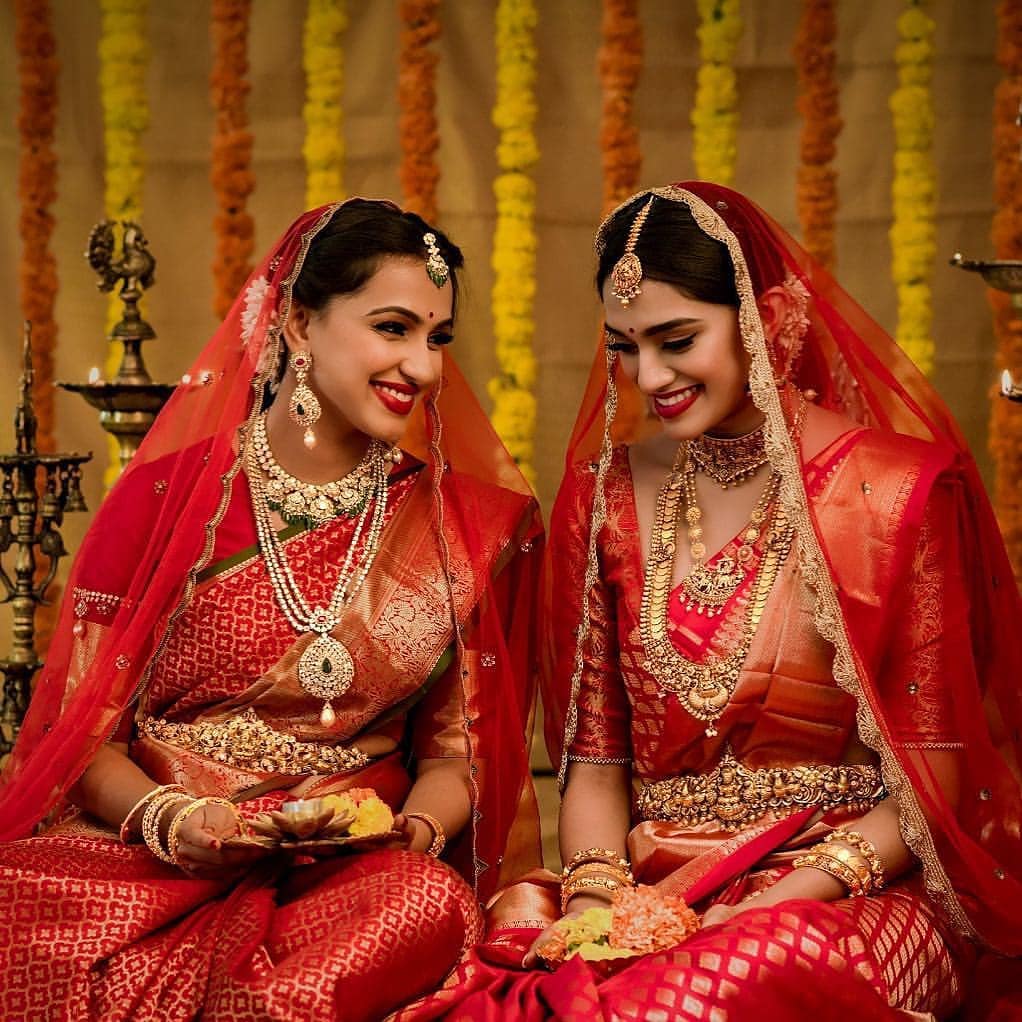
296,329
775,307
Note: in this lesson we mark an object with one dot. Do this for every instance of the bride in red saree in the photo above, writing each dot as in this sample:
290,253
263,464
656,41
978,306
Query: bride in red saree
783,655
235,635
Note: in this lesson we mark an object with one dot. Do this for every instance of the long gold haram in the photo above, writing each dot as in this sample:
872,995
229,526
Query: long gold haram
325,669
705,688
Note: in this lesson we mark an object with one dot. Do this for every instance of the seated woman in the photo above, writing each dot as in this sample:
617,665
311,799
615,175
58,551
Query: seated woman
778,601
276,602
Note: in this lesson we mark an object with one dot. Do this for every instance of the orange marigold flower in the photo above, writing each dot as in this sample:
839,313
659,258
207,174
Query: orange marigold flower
646,921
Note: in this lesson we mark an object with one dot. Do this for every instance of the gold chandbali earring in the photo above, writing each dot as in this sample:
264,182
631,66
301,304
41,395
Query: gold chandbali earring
703,688
729,461
303,408
626,276
707,589
311,504
326,669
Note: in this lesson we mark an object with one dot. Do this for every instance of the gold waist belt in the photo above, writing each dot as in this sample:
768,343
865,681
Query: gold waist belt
733,796
249,743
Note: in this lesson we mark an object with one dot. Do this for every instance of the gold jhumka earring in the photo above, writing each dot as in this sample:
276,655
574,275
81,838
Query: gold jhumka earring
303,408
626,276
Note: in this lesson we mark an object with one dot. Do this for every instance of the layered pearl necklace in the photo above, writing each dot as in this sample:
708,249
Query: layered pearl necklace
326,669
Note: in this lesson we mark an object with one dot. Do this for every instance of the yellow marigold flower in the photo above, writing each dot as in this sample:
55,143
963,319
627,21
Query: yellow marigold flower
373,817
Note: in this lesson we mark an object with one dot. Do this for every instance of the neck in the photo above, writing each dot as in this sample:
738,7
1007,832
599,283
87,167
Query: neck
742,421
339,447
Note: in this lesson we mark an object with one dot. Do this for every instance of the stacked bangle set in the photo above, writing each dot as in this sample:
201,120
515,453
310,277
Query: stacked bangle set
147,814
848,857
596,871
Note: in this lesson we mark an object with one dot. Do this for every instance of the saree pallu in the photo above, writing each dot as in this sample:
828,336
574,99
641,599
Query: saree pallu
99,930
885,957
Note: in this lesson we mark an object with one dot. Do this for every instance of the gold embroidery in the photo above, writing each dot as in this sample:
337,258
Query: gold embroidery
249,743
733,796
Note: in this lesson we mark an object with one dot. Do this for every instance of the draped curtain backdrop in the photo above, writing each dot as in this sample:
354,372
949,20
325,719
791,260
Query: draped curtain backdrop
180,204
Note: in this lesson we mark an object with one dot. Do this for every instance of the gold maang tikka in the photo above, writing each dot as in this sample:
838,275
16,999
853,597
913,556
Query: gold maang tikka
436,266
626,276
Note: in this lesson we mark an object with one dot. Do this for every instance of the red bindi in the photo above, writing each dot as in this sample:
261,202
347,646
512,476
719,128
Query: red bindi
431,315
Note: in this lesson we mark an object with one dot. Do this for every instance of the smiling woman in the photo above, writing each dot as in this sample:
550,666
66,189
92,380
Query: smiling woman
298,590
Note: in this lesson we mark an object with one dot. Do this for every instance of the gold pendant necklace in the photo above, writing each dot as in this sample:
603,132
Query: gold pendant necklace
311,504
706,588
729,461
325,668
704,688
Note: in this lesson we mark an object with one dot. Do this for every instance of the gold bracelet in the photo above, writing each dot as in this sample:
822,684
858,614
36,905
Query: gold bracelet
854,860
439,842
607,855
866,848
151,823
139,807
599,869
835,867
600,886
174,833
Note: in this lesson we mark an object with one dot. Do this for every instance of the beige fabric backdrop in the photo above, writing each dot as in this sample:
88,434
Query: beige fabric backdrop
178,201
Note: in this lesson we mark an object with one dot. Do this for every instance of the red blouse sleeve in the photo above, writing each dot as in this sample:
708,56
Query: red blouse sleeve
602,734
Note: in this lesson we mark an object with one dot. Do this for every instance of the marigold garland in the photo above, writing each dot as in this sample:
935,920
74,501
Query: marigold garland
715,115
416,96
231,173
514,243
323,61
620,65
818,104
123,63
37,189
914,190
1005,421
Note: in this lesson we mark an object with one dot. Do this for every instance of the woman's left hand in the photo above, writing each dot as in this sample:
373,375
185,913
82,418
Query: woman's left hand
399,838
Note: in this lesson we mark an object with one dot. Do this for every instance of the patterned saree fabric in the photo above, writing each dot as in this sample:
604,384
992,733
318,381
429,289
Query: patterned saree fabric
171,618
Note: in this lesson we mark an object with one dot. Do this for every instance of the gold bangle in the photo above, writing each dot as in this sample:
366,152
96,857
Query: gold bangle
851,858
139,807
866,848
439,842
607,855
599,869
600,886
151,823
835,867
174,835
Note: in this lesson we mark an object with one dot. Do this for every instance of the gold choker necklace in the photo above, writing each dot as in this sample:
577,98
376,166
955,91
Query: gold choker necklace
311,504
729,461
704,688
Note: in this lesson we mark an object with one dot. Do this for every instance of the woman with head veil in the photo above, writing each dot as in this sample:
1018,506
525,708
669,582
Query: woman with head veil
300,587
783,660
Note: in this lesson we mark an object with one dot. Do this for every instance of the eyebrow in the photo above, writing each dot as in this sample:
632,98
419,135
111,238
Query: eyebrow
408,314
659,328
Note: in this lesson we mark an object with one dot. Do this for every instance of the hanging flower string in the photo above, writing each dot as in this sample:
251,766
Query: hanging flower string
818,105
37,190
323,61
914,191
715,115
416,96
123,63
620,65
1005,421
514,244
231,173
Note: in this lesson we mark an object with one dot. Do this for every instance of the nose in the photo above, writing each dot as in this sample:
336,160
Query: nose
421,365
653,374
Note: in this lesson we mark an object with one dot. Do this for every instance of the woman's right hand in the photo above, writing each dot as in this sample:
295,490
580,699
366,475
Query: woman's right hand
576,906
200,849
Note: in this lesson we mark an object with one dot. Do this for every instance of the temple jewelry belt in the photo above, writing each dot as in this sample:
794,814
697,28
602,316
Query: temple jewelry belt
249,743
733,796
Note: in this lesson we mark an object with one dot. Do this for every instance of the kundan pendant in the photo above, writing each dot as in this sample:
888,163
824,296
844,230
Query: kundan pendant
326,670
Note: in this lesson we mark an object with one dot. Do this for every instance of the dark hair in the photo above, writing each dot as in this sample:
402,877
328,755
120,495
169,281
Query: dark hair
672,248
360,235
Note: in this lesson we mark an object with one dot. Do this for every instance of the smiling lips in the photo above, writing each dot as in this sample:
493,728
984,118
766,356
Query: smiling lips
670,406
398,398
